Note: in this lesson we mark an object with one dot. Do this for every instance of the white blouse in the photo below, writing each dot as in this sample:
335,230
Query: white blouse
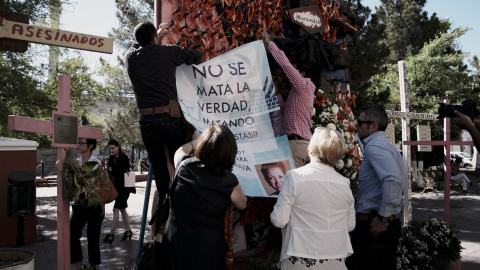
315,210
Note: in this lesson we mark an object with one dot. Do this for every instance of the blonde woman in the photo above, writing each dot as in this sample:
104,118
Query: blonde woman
315,208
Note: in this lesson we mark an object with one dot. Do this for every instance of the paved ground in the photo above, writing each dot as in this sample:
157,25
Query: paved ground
118,255
464,213
465,209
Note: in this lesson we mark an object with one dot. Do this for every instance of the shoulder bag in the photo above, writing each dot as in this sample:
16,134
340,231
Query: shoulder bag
160,216
107,190
151,257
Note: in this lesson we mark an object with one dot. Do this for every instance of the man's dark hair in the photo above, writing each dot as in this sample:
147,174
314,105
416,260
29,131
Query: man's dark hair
376,113
92,142
144,33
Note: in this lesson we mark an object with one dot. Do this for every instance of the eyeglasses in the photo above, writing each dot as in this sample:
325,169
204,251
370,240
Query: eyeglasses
81,143
360,122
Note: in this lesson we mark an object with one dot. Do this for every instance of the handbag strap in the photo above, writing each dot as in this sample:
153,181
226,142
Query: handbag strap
173,185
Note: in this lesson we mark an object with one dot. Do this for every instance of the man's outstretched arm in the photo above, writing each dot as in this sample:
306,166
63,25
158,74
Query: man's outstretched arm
466,123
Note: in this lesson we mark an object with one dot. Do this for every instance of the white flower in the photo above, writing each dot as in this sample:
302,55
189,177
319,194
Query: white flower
320,90
332,126
353,175
349,163
314,111
347,135
334,109
340,164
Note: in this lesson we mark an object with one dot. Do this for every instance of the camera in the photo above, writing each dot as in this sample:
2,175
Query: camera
468,107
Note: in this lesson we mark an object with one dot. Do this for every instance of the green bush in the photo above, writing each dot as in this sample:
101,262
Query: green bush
425,245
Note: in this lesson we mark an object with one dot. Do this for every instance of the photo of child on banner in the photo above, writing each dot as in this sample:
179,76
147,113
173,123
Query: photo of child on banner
235,89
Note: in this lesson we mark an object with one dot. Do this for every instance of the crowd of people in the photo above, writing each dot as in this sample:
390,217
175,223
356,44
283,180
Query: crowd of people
323,226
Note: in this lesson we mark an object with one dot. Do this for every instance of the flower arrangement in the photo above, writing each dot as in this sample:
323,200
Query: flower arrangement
425,245
83,182
332,109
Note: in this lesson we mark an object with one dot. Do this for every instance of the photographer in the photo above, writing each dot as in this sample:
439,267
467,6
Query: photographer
467,116
472,126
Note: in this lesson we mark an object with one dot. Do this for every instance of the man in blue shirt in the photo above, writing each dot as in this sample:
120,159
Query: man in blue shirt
380,195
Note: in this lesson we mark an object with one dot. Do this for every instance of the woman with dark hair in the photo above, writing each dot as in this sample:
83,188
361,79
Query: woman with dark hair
118,164
205,189
274,175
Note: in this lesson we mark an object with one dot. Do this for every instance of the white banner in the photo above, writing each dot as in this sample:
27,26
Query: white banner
236,89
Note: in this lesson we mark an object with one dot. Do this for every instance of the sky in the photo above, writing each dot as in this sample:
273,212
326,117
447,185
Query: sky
93,17
97,17
462,13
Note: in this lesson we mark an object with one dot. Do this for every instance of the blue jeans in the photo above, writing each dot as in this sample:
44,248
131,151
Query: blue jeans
374,252
158,130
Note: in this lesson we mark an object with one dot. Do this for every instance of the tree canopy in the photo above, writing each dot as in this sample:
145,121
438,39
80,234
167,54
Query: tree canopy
396,30
26,87
436,73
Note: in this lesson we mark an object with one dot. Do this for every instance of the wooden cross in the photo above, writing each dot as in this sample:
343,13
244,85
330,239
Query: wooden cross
406,115
25,124
446,143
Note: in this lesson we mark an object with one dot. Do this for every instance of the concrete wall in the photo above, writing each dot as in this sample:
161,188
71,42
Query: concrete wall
49,156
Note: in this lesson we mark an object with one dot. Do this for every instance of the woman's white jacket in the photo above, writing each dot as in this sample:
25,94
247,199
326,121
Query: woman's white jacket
315,210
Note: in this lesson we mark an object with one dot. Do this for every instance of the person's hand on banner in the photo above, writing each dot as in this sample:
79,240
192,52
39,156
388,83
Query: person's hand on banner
162,30
265,38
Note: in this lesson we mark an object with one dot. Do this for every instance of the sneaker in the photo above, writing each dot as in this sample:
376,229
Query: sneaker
465,191
471,183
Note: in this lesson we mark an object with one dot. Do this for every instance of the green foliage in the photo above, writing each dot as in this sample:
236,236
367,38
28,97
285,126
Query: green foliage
437,72
121,124
408,27
130,13
434,74
27,96
25,88
83,182
398,29
475,73
21,94
368,54
84,90
425,245
36,10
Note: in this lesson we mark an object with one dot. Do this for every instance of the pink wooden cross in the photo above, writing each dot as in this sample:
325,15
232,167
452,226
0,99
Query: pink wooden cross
19,123
446,143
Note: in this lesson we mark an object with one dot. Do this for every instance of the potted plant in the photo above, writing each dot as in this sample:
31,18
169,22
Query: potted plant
430,244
